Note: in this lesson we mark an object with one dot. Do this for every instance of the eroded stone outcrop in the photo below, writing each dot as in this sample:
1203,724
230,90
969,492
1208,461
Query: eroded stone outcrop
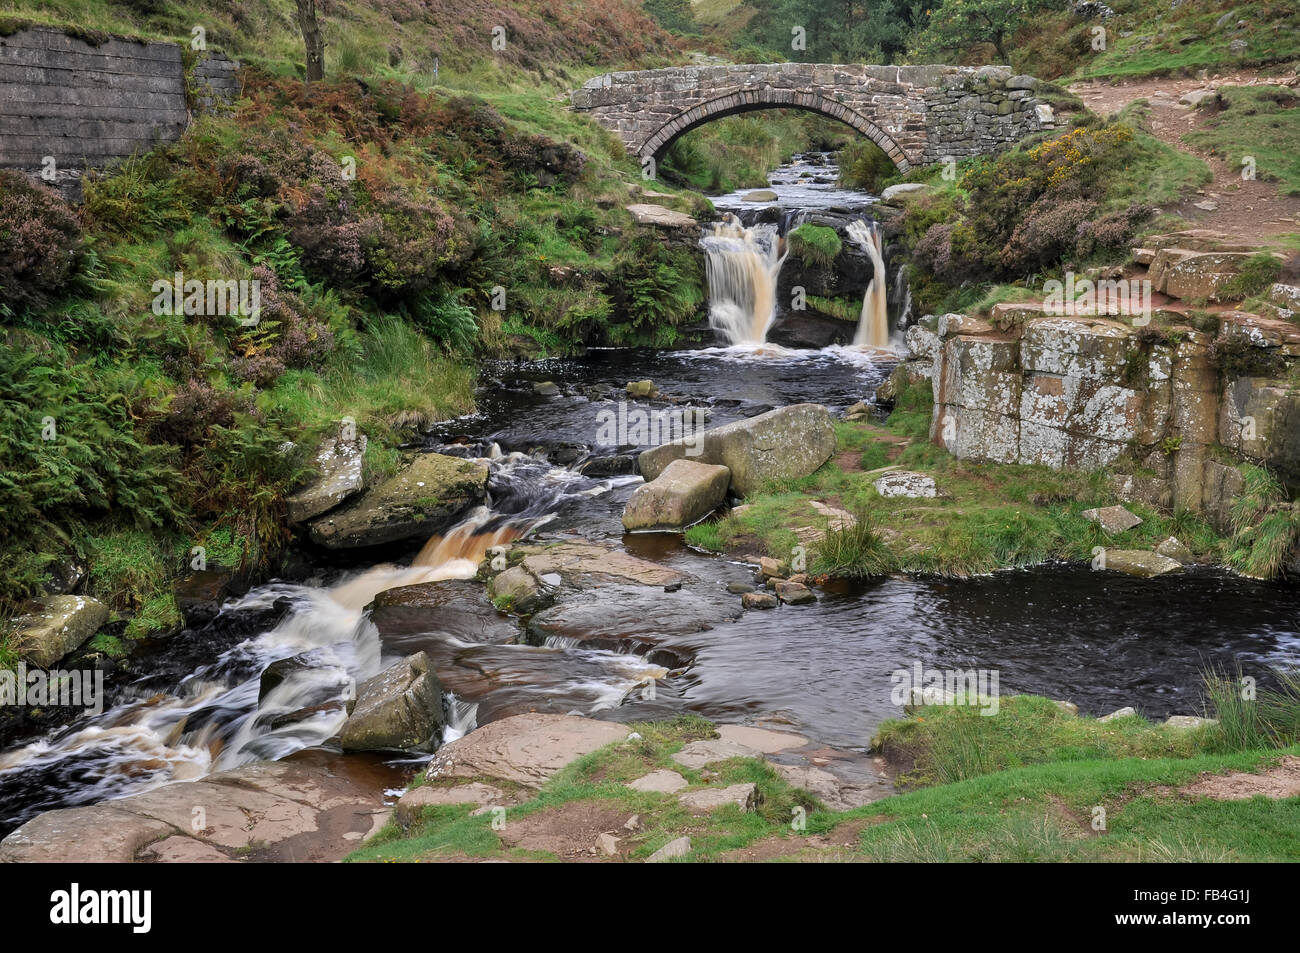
1156,403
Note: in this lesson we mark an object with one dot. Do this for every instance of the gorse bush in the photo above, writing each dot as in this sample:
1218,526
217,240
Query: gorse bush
1030,209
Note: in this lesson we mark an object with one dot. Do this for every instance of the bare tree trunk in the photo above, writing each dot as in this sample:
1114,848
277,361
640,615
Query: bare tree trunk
312,38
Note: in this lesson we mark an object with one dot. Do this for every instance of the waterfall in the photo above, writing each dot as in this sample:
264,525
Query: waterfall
742,265
873,325
903,293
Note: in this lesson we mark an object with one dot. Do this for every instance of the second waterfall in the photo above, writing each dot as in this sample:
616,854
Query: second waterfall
742,265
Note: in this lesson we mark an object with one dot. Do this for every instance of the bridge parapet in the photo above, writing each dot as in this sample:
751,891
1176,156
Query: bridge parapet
917,114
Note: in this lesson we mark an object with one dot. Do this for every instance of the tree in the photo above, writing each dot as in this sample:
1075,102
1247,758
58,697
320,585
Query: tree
313,39
960,24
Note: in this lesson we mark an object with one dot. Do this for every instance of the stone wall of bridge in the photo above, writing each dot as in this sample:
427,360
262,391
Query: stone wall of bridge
917,114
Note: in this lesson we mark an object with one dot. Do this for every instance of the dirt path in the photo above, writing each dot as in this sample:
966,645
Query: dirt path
1243,210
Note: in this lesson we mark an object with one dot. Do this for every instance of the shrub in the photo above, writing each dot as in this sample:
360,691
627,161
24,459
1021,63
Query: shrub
40,243
1048,230
864,165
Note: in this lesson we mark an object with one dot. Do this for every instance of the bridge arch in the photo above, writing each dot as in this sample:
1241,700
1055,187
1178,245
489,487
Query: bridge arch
917,114
768,98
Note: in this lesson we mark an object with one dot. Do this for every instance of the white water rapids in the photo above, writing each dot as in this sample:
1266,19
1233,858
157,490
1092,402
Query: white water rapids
213,718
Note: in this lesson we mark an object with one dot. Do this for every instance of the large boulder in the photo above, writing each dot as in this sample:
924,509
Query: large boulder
398,709
54,626
524,749
338,478
783,444
684,493
421,500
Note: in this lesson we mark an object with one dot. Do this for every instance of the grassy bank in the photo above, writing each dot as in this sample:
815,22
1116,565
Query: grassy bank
988,516
1032,783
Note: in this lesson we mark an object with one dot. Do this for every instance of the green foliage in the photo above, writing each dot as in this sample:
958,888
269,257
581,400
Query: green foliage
1257,273
446,318
864,165
1255,719
1266,528
951,743
674,15
815,245
958,25
835,32
852,551
92,464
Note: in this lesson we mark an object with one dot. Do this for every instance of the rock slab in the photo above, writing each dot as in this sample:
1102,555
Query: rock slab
417,503
684,493
524,749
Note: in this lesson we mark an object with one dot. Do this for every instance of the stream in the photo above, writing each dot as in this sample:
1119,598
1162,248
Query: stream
1101,640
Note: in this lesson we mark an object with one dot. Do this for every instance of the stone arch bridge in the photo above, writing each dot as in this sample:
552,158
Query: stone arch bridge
917,114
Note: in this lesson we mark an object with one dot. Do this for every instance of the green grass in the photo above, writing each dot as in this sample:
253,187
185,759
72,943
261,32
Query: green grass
1262,122
946,744
1044,813
1251,717
1034,794
1182,40
814,245
988,516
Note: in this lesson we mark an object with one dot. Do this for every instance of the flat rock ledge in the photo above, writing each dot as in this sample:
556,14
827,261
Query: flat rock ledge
289,811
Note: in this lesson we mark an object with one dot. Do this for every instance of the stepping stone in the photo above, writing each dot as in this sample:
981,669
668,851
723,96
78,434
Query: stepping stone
759,600
907,483
1189,721
794,593
699,753
761,739
662,781
710,799
1139,562
1125,712
412,802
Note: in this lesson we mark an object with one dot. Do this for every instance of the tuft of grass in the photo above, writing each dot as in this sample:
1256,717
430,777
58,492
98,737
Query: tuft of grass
852,551
815,245
1251,718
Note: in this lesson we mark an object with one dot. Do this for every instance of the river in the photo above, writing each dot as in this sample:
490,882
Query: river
1101,640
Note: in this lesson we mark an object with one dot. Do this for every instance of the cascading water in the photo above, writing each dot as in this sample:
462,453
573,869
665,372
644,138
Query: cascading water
218,717
873,325
742,265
